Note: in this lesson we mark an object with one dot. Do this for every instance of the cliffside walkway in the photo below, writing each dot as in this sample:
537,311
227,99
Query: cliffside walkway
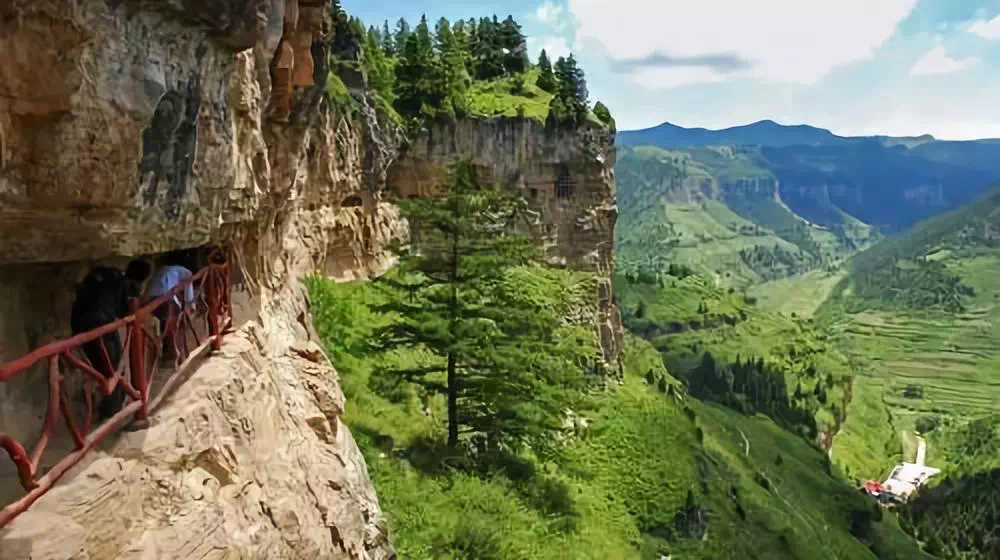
211,312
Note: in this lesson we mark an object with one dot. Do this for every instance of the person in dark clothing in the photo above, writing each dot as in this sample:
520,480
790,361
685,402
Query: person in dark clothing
103,297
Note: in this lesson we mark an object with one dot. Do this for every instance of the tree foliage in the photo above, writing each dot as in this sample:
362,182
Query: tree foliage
471,294
425,73
546,78
604,114
753,386
959,517
434,71
570,102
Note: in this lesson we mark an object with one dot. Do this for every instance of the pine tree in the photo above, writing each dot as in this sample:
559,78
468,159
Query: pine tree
490,318
488,52
388,41
546,79
415,73
572,91
512,44
378,66
451,79
402,34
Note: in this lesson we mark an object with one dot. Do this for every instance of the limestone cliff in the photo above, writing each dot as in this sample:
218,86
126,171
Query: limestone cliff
565,174
132,128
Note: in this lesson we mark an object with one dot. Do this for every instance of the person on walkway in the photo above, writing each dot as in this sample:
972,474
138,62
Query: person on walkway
102,297
168,276
136,275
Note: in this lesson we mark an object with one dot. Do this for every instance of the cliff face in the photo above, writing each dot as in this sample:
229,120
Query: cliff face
133,128
566,175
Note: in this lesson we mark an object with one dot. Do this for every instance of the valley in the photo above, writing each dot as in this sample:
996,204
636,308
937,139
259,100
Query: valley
893,306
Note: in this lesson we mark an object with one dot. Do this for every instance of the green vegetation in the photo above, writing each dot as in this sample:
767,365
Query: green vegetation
512,96
799,295
965,446
469,67
764,361
958,518
912,271
917,313
467,296
635,481
717,210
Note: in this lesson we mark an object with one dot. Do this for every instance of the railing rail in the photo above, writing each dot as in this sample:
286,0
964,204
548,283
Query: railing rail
212,305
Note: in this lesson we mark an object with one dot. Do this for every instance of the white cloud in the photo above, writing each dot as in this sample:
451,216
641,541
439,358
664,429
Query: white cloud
989,29
554,47
551,14
797,41
937,61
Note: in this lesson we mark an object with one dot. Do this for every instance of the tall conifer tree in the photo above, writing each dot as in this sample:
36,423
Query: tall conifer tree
474,297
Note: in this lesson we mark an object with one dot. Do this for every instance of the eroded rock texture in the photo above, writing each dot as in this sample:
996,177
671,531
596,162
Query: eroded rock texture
567,176
136,127
248,460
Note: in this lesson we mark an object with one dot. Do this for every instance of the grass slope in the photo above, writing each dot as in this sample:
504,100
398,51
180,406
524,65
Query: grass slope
620,488
801,295
510,96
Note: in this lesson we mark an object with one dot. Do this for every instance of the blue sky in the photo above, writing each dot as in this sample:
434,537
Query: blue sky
900,67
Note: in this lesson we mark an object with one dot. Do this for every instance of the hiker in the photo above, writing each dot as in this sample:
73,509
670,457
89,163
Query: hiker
168,276
102,297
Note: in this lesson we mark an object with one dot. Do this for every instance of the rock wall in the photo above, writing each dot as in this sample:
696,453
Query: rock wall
132,128
565,174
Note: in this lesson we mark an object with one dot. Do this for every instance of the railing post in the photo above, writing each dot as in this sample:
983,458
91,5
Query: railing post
137,357
227,291
212,279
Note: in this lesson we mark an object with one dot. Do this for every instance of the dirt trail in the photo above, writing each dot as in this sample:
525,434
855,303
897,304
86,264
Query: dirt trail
921,451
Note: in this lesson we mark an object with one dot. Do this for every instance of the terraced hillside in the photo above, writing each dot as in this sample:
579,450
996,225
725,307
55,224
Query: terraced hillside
920,316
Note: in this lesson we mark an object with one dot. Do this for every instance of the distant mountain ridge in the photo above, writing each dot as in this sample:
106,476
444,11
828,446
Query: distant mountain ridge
760,133
766,133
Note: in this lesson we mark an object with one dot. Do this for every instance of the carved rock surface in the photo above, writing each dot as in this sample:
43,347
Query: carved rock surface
247,460
137,127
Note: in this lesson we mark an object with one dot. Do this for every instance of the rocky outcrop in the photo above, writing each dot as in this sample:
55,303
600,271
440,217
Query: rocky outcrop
133,128
565,174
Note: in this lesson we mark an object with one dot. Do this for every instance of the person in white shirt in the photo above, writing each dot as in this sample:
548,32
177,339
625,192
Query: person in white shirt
167,277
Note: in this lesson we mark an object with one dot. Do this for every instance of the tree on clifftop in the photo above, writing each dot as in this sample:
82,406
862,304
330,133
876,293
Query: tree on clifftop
415,73
570,102
488,316
546,79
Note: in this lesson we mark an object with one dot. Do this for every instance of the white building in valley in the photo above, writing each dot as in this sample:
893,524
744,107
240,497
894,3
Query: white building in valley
906,478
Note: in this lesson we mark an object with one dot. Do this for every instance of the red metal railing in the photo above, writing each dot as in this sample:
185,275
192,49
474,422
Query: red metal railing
212,305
